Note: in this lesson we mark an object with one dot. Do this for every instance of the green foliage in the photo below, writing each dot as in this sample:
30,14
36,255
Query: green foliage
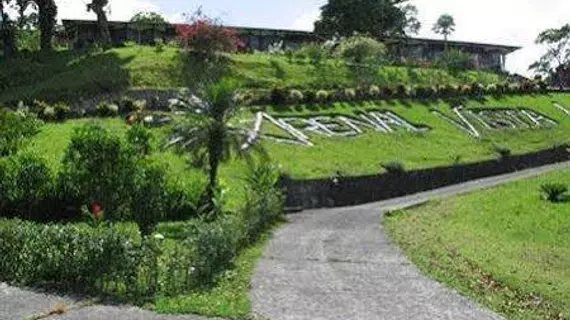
454,60
376,18
141,140
278,95
76,258
107,109
359,49
322,96
296,96
15,129
554,192
128,105
32,182
99,167
445,25
149,204
394,167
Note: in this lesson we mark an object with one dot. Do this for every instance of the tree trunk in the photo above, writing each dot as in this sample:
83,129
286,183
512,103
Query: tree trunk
105,35
47,14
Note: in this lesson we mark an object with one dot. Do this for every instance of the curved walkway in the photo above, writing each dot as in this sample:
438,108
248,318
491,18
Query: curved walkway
339,264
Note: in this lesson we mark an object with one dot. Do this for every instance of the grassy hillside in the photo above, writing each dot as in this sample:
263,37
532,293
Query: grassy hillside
69,75
505,247
444,144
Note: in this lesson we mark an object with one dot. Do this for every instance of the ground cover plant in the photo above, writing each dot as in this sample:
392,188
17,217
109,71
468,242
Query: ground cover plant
506,247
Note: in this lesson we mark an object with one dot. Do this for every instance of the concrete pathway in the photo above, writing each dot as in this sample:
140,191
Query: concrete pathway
339,264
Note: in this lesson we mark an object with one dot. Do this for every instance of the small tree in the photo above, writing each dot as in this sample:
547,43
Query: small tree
207,135
556,61
98,7
148,20
445,26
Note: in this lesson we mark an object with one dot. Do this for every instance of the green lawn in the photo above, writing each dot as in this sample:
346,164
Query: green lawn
443,145
504,247
69,75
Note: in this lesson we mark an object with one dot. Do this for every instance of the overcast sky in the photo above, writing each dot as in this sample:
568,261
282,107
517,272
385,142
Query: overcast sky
510,22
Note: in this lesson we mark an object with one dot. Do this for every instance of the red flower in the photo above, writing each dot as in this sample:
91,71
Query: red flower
96,209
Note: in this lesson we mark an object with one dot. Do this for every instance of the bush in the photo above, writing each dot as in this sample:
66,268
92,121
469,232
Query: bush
349,94
360,49
107,109
310,96
394,167
404,91
314,52
296,96
374,91
76,258
554,192
62,111
278,95
140,139
15,129
322,96
149,199
205,36
128,105
454,61
99,167
388,92
32,183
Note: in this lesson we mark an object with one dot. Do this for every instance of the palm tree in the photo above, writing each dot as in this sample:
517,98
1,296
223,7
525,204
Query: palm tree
445,26
98,6
207,135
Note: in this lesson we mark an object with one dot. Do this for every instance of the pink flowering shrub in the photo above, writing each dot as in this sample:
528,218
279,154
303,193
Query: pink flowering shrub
205,36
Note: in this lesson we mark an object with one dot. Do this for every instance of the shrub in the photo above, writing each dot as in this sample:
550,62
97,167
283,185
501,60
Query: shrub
394,167
205,36
128,105
322,96
15,129
48,114
478,89
388,92
360,49
32,183
98,167
403,91
149,199
454,61
75,258
350,94
107,109
423,92
503,152
62,111
554,192
492,89
140,139
466,90
374,91
295,96
314,52
310,96
278,95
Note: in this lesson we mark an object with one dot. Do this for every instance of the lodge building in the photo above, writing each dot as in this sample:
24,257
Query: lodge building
484,56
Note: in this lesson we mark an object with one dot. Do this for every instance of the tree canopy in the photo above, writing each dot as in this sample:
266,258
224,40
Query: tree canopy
148,18
445,25
377,18
557,57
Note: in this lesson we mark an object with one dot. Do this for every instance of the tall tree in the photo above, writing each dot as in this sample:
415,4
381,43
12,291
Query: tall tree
7,41
98,6
377,18
445,26
556,61
148,20
47,12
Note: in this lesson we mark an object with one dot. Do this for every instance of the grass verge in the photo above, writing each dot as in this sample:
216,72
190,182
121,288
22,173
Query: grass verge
506,247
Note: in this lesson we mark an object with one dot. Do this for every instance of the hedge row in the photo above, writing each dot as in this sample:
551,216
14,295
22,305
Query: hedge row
103,260
282,96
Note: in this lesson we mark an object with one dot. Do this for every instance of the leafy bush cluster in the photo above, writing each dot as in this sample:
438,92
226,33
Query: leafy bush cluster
107,260
555,192
15,129
98,167
280,95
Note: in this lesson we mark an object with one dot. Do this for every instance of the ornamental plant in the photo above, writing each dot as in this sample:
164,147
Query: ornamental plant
206,36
